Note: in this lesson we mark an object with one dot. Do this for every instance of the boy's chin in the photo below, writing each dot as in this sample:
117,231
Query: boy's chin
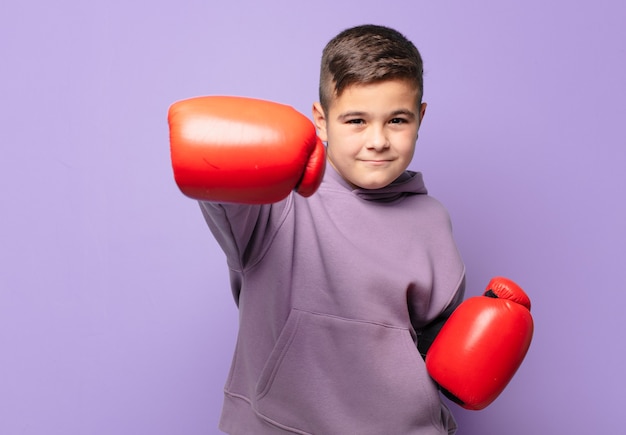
371,184
368,178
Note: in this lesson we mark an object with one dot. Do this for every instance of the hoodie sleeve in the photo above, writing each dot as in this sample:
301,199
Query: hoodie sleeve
427,335
442,286
244,232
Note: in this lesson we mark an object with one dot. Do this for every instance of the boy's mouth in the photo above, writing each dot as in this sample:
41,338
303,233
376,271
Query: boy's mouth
376,162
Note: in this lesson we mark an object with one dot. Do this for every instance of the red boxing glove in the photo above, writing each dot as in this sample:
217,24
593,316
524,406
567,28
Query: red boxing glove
237,149
482,345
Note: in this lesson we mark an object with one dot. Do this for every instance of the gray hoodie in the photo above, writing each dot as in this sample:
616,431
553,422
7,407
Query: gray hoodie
336,292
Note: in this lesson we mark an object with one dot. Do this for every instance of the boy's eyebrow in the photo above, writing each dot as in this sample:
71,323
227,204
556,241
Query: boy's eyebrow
405,112
355,114
359,114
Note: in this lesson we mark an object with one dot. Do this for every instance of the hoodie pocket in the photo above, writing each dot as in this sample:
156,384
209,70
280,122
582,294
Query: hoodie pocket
332,375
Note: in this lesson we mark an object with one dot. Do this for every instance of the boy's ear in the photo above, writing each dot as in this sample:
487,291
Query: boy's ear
319,118
422,112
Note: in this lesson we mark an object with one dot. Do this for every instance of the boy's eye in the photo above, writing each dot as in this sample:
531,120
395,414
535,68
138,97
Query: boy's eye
355,121
397,121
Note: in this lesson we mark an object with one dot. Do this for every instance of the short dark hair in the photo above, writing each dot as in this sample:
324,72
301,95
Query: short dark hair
368,54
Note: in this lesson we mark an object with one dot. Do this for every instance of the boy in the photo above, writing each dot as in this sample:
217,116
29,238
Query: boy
340,292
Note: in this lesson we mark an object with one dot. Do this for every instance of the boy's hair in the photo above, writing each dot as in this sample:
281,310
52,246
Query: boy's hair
368,54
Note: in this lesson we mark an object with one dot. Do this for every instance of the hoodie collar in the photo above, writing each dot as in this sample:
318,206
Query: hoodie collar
408,183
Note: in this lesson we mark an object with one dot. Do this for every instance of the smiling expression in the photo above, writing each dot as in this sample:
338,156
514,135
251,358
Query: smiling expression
371,131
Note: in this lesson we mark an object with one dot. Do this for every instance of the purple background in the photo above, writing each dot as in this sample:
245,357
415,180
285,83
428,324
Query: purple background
115,311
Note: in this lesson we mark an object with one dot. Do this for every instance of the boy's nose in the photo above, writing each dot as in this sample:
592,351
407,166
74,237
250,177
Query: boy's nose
377,139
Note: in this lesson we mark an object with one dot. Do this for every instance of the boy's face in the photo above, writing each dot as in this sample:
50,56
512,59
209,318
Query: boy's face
371,131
